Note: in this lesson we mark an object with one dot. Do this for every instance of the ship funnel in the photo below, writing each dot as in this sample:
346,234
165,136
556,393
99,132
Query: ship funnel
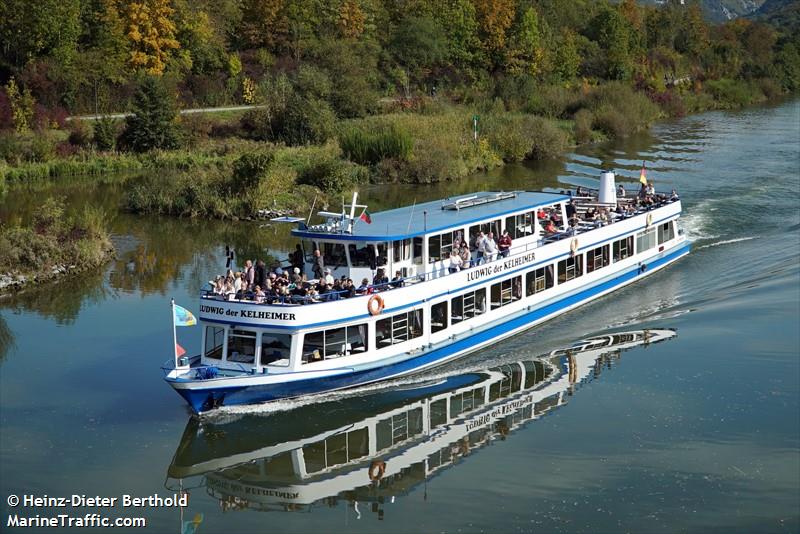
608,189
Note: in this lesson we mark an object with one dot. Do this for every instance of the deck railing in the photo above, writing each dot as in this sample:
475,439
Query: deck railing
330,296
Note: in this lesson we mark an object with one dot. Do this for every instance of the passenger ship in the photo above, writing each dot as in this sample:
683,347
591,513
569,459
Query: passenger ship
406,436
260,352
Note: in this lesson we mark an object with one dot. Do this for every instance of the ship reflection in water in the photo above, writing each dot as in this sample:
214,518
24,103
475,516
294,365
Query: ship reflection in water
368,450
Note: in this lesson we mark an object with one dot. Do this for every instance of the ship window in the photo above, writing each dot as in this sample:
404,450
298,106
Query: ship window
357,443
623,248
597,258
275,349
538,280
570,268
468,305
645,240
333,255
398,428
506,292
520,225
334,343
438,317
215,337
418,250
242,346
401,250
666,232
398,328
361,257
440,246
493,226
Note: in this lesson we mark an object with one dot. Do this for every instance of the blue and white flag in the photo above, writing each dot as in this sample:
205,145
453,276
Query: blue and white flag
182,316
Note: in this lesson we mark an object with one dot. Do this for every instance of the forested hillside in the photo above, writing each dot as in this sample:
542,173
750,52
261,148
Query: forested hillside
85,55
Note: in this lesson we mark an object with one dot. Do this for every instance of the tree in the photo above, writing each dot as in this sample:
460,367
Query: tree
264,23
611,32
152,124
21,103
419,43
525,54
495,18
151,32
351,19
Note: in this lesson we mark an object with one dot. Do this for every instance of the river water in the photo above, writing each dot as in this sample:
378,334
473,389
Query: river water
699,432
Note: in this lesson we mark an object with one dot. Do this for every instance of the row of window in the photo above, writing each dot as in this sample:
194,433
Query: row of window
275,348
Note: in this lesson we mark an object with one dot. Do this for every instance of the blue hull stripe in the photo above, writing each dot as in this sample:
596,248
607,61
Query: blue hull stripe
251,394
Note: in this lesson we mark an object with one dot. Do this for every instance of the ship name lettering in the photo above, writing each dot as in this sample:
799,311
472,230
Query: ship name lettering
277,316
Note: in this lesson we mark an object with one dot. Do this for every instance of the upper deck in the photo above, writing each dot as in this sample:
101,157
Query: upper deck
432,217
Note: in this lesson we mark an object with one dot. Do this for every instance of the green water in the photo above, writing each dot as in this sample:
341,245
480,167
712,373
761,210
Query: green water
698,433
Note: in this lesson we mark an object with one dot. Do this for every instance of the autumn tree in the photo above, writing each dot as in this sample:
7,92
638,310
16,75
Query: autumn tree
495,18
264,23
525,54
151,31
351,19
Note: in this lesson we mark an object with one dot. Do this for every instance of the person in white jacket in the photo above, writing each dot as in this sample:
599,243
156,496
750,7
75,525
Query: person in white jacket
491,247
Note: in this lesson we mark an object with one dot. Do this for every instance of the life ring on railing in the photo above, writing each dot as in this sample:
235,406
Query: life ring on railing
649,219
376,470
375,305
573,246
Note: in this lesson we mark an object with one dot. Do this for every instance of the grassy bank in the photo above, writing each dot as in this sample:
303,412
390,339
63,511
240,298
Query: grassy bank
52,246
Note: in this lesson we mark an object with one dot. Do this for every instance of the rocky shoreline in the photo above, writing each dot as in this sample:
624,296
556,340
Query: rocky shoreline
12,283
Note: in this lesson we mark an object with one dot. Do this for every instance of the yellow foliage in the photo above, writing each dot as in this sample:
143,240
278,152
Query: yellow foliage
151,32
351,19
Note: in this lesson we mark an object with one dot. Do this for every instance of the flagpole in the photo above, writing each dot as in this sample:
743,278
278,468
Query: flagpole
174,333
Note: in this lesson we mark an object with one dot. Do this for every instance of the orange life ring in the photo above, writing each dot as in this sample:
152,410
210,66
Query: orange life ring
375,304
376,470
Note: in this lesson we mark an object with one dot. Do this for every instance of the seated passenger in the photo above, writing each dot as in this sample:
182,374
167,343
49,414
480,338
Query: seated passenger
550,227
674,195
328,277
380,280
397,281
364,288
621,190
259,295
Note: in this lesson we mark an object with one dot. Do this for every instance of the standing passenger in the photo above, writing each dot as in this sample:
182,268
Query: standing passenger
504,244
491,247
480,245
319,265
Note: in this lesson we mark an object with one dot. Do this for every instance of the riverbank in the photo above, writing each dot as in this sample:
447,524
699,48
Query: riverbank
52,247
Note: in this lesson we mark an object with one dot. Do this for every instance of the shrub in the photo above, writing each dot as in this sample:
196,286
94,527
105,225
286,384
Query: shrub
79,133
152,124
248,171
731,93
553,101
519,137
105,134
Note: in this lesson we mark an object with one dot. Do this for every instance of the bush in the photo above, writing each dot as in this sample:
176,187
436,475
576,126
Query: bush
370,146
296,121
105,134
519,137
730,93
553,101
248,171
79,133
152,125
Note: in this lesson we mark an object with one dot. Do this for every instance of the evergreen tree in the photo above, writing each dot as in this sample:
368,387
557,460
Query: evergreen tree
152,124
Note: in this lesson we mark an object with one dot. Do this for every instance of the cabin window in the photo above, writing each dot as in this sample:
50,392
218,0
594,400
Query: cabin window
215,338
333,255
241,346
666,232
361,257
440,246
623,248
506,292
538,280
438,317
597,258
467,401
275,349
493,226
520,225
398,328
438,413
468,305
646,240
418,250
401,250
570,268
334,343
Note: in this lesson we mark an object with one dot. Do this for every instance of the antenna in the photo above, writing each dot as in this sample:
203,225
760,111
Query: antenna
311,212
410,217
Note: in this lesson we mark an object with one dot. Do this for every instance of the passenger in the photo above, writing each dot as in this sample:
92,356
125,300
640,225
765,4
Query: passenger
491,247
573,224
603,217
259,295
397,281
651,190
571,209
504,244
261,273
590,215
318,268
480,246
621,191
674,196
219,286
237,281
550,228
364,288
466,258
230,291
643,192
455,263
541,214
328,277
249,273
380,281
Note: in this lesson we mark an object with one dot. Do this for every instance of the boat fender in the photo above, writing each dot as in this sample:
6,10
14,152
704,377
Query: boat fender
375,305
642,268
573,246
649,219
376,470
